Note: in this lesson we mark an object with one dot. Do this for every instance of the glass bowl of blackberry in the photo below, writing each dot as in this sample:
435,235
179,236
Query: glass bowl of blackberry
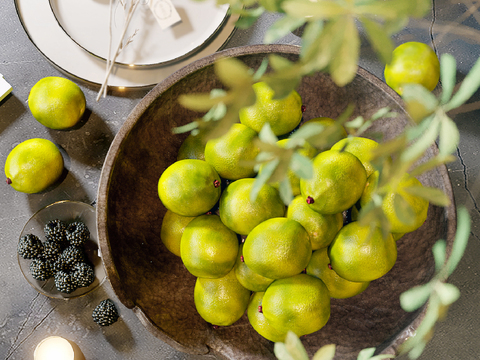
58,250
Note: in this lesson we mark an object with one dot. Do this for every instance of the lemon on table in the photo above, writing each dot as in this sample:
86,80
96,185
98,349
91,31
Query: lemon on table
418,205
299,303
320,228
172,229
277,248
248,278
208,248
33,165
221,301
259,322
283,115
359,253
412,63
56,102
230,153
360,147
189,187
337,183
240,214
338,287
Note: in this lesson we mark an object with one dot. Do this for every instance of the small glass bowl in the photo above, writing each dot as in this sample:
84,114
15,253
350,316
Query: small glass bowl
67,211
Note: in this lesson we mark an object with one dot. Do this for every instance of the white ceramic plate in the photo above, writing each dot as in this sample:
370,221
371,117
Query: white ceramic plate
67,211
48,36
87,23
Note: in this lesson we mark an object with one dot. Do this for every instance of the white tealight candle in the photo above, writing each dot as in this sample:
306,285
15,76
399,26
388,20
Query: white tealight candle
57,348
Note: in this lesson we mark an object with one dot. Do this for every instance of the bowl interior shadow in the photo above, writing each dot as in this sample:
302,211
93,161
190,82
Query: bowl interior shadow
154,283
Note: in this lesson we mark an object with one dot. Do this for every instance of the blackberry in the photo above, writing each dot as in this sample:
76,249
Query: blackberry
69,257
77,233
29,246
64,282
51,251
83,274
55,230
105,313
41,269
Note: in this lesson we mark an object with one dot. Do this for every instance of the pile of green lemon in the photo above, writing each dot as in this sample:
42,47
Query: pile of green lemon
279,264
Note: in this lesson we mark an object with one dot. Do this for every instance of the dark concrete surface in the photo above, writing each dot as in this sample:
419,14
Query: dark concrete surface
27,317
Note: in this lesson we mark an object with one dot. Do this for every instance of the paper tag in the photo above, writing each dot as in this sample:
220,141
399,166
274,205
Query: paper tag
164,12
5,88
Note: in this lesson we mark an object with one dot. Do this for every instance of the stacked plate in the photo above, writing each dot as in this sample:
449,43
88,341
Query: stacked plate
78,36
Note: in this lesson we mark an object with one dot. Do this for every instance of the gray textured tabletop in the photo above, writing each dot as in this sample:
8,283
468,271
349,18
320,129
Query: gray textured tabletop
26,317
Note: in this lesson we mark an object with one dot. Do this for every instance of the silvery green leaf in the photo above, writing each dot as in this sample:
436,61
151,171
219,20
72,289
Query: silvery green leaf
216,112
185,128
439,254
318,10
266,134
419,101
449,136
262,178
261,70
417,350
417,149
431,194
326,352
415,297
403,210
461,239
393,26
305,132
468,87
311,33
295,347
448,76
301,166
199,102
355,123
248,17
380,39
281,352
366,354
447,293
343,66
431,164
233,72
281,28
285,191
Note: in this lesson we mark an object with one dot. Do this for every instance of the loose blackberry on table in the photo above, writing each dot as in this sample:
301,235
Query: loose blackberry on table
105,313
29,246
77,233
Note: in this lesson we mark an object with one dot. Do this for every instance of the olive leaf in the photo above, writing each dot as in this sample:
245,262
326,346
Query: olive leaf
291,349
282,28
326,352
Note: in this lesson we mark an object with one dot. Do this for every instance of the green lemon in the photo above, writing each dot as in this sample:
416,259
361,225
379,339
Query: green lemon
172,229
33,165
259,322
337,183
208,248
242,215
412,63
418,205
277,248
320,228
189,187
360,147
283,115
338,287
221,301
56,102
230,153
248,278
193,147
299,303
360,254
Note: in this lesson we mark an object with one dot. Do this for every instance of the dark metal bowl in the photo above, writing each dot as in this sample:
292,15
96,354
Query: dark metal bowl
151,281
